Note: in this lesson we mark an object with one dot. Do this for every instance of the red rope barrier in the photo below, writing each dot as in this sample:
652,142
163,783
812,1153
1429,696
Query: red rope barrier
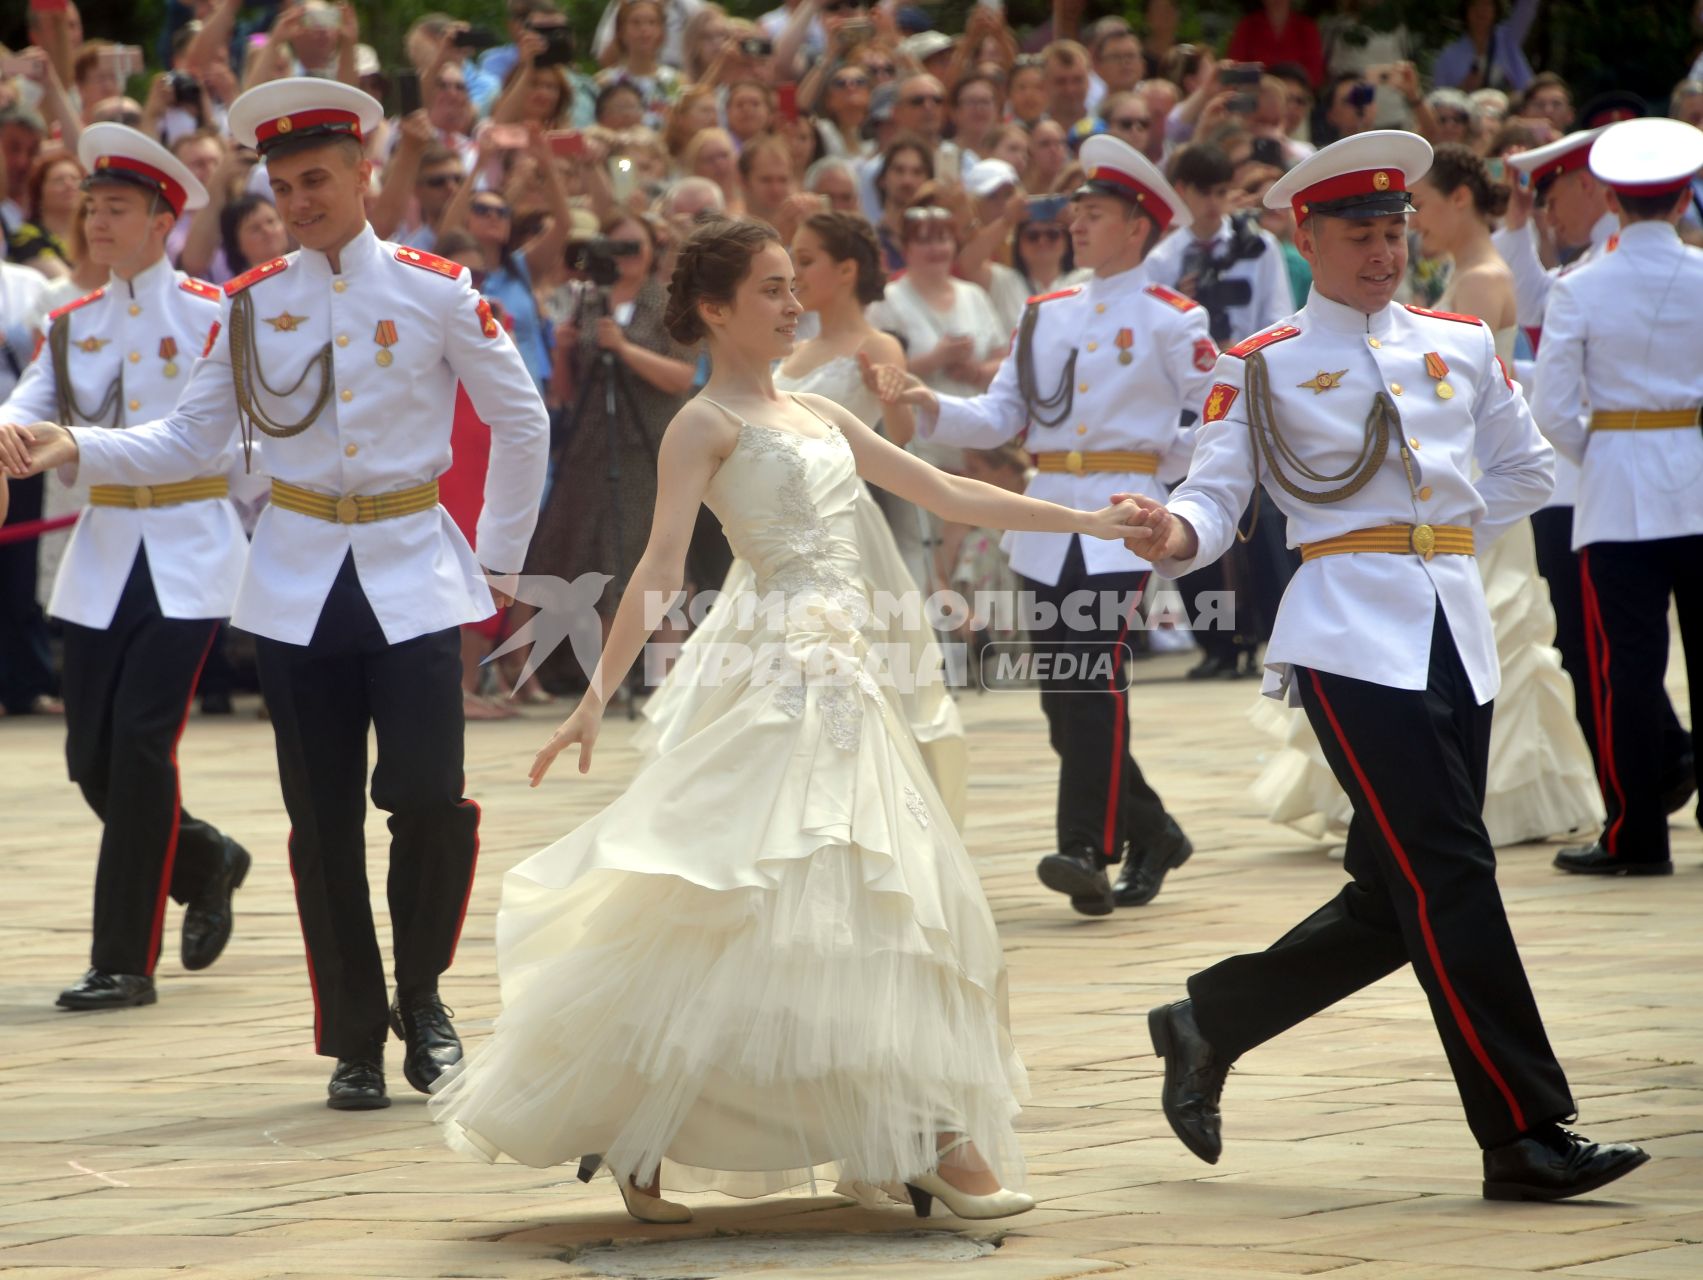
29,529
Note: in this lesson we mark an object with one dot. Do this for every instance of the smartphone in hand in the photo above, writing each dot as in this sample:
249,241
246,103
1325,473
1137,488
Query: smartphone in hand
407,92
786,101
566,144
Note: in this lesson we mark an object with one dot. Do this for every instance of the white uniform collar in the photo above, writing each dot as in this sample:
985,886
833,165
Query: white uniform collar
1100,288
1337,318
1603,228
359,253
149,280
1652,232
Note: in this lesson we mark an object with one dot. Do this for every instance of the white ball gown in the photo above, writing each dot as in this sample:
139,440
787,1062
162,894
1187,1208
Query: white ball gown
770,961
1541,781
673,711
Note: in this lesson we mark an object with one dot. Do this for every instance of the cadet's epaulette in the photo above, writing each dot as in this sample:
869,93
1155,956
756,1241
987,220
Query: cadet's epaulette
1057,293
1181,301
1444,315
200,288
83,301
1247,346
428,262
265,269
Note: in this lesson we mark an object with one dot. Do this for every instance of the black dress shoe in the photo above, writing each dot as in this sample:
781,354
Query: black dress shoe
1143,875
1079,873
1553,1163
207,920
357,1084
423,1024
1194,1078
1594,860
1213,667
97,990
1679,783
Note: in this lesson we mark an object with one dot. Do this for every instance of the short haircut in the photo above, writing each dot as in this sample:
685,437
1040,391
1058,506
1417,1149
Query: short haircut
1650,208
346,145
1202,166
1064,52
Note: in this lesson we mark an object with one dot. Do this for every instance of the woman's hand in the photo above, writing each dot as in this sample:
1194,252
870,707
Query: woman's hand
1114,523
581,727
886,382
1152,532
610,335
528,47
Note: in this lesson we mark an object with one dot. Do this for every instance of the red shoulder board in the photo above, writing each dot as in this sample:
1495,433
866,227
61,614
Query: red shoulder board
429,262
1057,293
83,301
1444,315
1181,301
1247,346
236,286
200,288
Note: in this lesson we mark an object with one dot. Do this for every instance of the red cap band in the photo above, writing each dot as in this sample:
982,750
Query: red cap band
320,118
1567,162
167,186
1672,188
1363,182
1150,200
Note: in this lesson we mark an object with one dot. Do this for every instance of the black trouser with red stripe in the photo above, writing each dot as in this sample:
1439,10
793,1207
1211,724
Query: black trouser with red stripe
1627,588
128,687
323,697
1423,893
1103,801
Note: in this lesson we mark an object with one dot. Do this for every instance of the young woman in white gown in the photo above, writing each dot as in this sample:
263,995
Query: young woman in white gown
1542,782
837,261
770,960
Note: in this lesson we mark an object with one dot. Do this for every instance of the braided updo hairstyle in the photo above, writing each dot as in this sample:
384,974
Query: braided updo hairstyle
714,260
848,237
1456,166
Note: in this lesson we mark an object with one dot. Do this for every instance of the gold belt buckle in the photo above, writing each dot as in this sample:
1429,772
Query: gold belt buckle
1073,462
348,511
144,497
1423,540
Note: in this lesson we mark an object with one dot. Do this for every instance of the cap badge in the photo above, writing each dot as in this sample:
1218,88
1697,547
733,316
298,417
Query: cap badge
1380,181
284,125
1322,382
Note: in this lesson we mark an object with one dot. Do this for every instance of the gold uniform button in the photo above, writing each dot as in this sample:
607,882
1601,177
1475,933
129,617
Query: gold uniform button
346,395
1376,343
135,309
1412,442
135,357
339,286
1396,387
350,450
1082,386
342,339
1099,308
1093,346
1082,431
135,405
1425,493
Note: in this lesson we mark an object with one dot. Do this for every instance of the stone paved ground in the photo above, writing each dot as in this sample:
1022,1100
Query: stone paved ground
189,1140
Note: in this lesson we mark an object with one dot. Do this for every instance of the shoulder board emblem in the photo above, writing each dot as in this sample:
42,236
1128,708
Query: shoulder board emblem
429,262
1247,346
1444,315
265,269
1057,293
200,288
1182,302
83,301
1613,243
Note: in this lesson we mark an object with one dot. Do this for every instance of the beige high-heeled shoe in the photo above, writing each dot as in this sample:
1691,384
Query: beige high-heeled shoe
926,1188
640,1204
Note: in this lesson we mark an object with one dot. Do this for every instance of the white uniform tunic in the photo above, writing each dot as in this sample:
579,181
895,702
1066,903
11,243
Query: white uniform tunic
1369,616
1617,336
147,331
1118,406
403,329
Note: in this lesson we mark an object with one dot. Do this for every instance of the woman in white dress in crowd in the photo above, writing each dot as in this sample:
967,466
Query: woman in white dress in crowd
1542,782
953,341
838,264
770,960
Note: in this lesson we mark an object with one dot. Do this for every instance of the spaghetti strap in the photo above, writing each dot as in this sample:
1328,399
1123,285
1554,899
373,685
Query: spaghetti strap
793,396
719,405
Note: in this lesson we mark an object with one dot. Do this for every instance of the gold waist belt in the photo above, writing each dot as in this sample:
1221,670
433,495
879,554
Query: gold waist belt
1396,539
141,497
1642,419
355,508
1126,462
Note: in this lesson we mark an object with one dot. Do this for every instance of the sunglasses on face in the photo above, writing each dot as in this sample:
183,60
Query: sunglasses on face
923,99
491,210
849,82
443,180
1132,122
1042,235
